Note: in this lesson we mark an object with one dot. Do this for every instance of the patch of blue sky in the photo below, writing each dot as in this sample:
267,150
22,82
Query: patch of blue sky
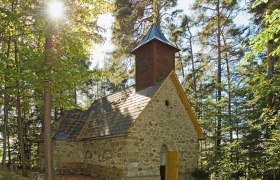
99,51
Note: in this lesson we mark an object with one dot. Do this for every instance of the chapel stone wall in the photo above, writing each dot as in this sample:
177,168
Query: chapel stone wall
163,122
136,156
98,158
66,153
107,159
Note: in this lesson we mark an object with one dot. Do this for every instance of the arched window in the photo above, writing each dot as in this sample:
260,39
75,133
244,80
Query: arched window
162,161
163,155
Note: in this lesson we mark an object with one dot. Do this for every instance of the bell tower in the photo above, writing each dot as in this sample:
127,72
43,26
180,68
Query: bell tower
155,58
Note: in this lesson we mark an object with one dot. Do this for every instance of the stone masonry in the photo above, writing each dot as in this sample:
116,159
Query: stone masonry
137,154
159,125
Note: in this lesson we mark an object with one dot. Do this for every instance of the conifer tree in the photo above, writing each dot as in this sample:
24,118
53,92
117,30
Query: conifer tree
220,39
133,18
22,71
262,82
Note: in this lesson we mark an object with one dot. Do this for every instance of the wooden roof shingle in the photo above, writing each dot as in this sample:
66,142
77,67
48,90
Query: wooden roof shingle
108,116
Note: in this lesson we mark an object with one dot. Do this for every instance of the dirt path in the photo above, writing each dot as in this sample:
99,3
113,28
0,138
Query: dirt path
73,178
69,177
65,177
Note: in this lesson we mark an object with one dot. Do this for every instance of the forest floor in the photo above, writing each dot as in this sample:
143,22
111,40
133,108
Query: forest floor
60,177
68,177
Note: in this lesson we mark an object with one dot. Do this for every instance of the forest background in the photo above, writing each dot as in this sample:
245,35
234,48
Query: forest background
230,72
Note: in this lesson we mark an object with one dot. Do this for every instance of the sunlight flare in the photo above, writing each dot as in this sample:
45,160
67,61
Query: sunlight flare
55,9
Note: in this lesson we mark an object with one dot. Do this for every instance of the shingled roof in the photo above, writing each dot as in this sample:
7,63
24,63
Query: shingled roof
71,123
107,116
154,33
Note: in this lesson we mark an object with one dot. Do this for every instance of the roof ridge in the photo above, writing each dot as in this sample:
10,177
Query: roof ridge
154,33
115,92
123,90
148,34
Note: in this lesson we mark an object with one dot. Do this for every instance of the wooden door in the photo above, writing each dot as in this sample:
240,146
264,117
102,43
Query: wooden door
172,164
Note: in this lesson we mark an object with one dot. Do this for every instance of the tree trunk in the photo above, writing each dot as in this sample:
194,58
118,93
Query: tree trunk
5,128
47,109
156,13
18,105
97,95
270,69
55,114
193,67
197,108
229,102
20,134
75,95
19,117
6,113
26,139
219,77
182,64
9,148
229,91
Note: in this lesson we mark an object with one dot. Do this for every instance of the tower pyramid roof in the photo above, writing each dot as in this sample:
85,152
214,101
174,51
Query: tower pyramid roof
154,33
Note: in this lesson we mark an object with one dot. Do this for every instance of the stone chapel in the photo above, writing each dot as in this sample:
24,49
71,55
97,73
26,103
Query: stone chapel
145,132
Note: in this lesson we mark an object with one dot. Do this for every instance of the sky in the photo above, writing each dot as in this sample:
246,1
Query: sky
98,53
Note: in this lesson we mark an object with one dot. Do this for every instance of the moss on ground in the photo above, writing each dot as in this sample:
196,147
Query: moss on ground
6,175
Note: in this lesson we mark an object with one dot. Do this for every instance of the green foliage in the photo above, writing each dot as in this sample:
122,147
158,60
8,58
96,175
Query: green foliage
258,2
124,11
200,174
5,174
261,127
250,125
132,20
222,161
24,27
269,33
